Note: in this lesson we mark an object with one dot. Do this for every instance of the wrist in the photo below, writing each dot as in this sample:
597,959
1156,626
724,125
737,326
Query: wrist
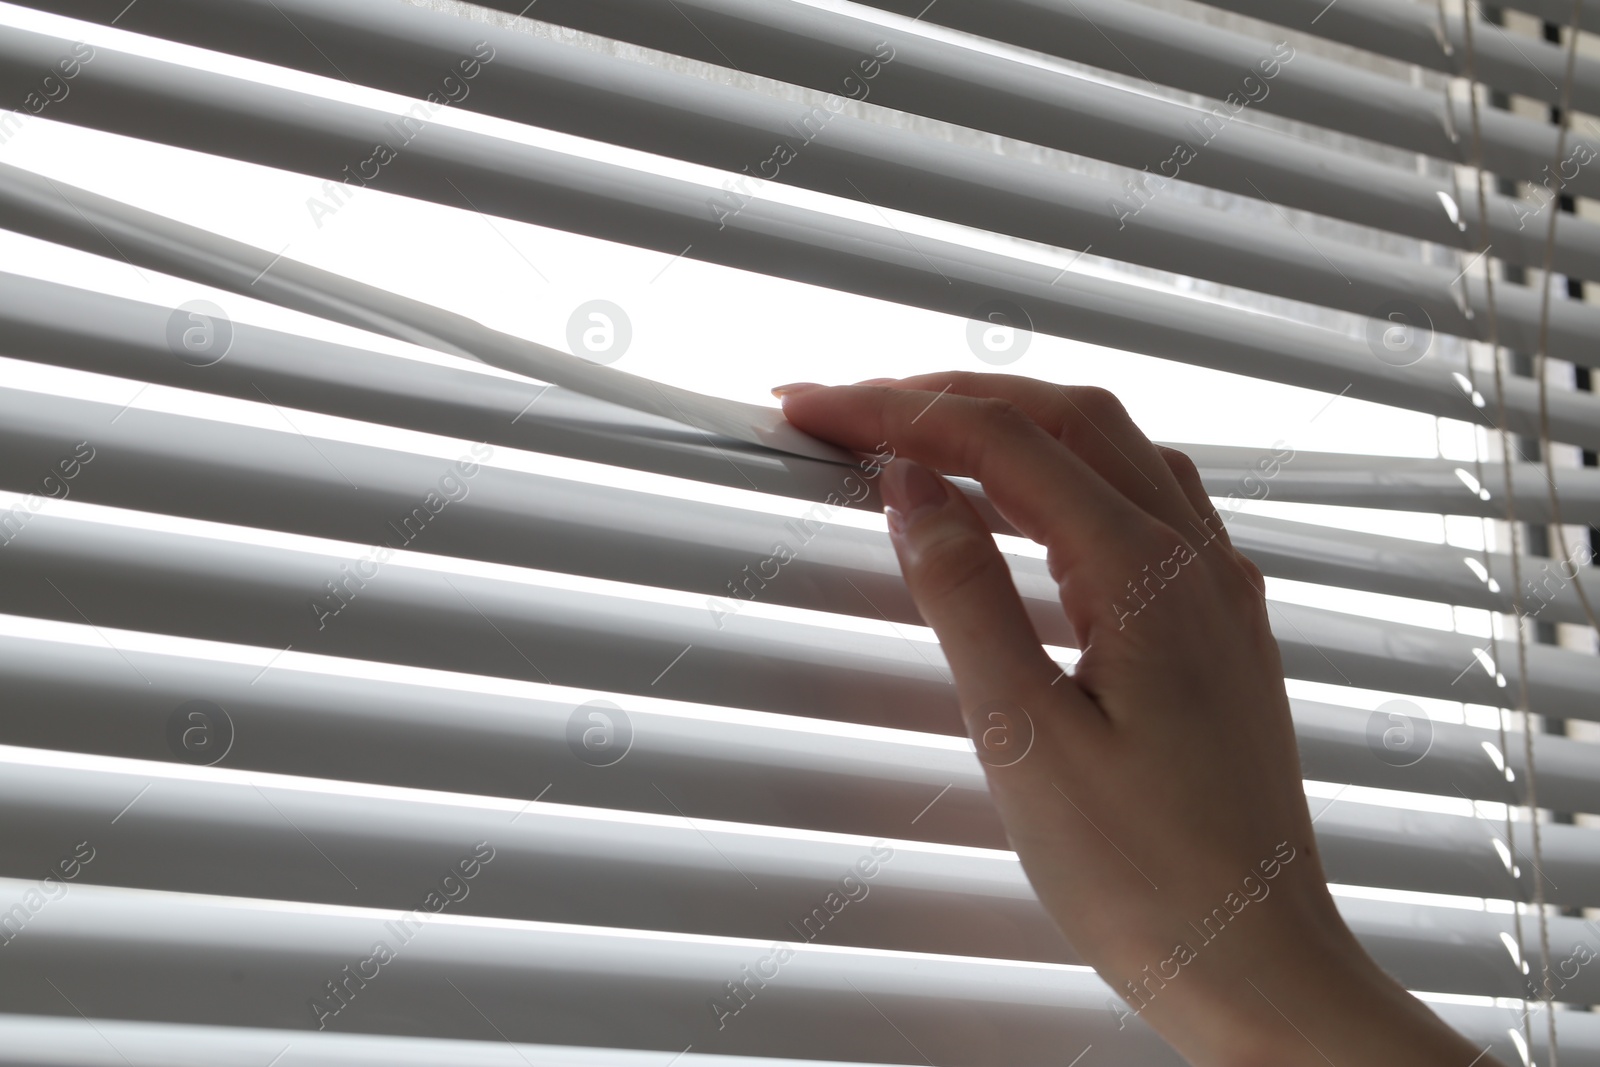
1300,991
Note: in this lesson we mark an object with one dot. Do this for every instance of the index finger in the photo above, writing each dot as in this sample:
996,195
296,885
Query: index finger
1094,425
1038,484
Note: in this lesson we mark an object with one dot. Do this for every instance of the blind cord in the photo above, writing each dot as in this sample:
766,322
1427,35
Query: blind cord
1546,993
1470,63
1564,126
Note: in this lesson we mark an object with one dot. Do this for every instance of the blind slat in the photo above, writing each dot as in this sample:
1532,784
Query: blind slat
569,982
56,1041
173,957
209,831
1412,33
212,587
1449,486
450,734
1309,553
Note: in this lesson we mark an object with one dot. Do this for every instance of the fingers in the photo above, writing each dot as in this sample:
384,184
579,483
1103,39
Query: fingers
1188,476
1094,424
963,589
1043,488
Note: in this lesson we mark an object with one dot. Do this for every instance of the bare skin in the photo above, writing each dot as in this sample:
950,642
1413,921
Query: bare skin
1162,786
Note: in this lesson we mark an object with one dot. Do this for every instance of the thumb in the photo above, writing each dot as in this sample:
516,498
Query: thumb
963,589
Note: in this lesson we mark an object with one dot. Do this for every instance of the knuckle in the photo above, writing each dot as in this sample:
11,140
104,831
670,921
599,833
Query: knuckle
1257,580
997,413
996,420
1182,465
1099,405
1152,537
1238,587
1092,414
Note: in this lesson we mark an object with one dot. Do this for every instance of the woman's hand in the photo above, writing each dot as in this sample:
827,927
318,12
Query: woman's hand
1158,811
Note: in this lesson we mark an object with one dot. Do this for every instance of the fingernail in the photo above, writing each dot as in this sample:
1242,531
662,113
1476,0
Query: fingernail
910,492
876,381
794,389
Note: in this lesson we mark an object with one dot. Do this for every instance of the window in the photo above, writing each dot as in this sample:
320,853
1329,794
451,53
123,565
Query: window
366,703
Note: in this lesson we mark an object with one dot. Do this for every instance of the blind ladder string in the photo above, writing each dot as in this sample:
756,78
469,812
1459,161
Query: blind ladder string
1493,338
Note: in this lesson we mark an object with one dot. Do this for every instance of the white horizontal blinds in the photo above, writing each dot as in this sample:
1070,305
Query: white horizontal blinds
269,479
1134,39
255,594
439,734
870,258
588,868
260,477
722,126
800,43
889,168
756,758
347,28
91,331
650,107
96,332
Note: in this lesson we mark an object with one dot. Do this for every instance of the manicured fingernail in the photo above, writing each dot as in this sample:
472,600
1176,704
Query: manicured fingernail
910,492
794,389
876,381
